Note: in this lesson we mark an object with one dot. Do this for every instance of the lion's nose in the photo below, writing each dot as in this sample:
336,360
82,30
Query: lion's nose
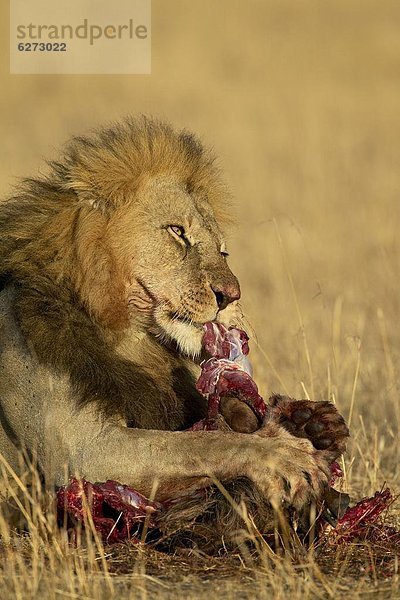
225,294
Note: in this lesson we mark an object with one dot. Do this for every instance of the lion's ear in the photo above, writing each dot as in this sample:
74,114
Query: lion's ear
88,196
97,190
100,178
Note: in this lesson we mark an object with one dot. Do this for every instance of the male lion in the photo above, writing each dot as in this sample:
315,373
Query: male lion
110,266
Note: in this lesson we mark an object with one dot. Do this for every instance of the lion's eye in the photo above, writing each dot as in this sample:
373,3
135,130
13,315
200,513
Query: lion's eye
177,230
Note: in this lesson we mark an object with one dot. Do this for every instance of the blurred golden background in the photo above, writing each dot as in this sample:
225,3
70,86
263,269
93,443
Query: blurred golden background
301,101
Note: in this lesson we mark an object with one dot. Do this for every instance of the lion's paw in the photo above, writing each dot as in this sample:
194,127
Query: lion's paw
319,422
294,473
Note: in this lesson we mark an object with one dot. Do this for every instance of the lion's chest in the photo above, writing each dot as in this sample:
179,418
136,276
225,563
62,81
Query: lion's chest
179,404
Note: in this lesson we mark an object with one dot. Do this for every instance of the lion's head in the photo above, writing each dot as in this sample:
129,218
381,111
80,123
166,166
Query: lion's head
132,217
179,277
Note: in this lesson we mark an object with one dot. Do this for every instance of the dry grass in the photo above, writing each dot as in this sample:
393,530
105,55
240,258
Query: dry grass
300,99
45,564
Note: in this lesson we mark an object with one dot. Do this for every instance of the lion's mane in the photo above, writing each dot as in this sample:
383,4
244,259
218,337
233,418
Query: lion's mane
69,283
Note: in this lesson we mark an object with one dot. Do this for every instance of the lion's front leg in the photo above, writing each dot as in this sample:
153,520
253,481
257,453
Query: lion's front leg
284,468
278,471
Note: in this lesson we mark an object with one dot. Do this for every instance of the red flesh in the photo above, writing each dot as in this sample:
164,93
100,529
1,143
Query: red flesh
117,510
227,373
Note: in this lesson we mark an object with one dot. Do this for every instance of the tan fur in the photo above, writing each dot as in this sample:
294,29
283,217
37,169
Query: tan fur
102,314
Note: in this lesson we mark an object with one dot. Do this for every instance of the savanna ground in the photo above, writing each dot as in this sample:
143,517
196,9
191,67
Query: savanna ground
301,101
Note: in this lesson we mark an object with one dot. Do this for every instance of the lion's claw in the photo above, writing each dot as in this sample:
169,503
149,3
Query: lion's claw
296,473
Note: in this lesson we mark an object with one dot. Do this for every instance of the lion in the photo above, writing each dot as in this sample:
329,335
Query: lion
109,267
